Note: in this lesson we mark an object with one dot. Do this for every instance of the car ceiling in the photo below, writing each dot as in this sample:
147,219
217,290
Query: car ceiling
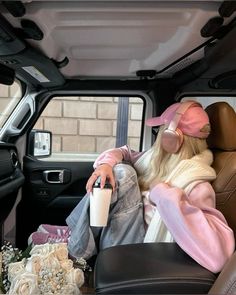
118,38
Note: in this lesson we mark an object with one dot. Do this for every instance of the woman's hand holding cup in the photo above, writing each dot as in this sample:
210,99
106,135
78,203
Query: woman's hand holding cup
105,172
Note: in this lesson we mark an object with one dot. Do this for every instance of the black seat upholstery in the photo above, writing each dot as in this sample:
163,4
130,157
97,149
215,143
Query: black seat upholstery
153,268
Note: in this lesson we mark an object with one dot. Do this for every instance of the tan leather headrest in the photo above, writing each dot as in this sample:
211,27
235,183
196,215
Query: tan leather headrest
223,125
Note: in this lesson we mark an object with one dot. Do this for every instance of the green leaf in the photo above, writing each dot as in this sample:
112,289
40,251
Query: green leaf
2,290
26,252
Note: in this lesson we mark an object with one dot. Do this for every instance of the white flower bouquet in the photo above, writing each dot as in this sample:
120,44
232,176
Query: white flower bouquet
47,270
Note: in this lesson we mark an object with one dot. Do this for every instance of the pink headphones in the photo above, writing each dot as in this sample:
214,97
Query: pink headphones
172,137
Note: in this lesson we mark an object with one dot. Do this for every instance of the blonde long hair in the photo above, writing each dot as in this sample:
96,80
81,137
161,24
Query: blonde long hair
162,163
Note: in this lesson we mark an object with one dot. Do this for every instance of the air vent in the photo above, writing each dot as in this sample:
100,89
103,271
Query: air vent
177,67
10,62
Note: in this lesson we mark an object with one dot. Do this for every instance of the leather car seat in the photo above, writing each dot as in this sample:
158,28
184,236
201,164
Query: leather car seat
222,141
226,281
163,268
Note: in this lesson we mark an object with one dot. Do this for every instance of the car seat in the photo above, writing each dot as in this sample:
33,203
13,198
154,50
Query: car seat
223,144
163,268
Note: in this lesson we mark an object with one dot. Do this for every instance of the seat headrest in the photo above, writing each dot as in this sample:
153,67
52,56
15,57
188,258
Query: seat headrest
223,124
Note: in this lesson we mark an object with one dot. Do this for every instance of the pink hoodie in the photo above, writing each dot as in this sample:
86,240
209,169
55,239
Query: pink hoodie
197,227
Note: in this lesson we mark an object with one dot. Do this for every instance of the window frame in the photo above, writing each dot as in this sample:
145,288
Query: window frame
145,133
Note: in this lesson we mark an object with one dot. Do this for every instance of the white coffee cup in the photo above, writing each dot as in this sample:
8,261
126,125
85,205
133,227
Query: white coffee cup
100,200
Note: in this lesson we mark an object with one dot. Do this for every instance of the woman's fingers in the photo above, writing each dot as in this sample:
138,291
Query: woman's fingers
112,181
103,171
90,182
103,180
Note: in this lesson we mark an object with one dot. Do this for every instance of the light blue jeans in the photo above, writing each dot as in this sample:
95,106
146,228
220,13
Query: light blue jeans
125,222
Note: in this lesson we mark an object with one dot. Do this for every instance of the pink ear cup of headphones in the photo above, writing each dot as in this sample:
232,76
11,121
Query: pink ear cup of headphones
171,141
172,138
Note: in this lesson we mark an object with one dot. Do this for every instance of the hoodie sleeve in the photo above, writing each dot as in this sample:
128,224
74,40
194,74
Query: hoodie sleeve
117,155
197,227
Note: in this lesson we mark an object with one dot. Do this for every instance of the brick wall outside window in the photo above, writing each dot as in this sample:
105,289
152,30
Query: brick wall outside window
88,124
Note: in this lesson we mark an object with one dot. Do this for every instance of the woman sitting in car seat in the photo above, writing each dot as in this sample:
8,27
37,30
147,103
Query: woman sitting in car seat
161,195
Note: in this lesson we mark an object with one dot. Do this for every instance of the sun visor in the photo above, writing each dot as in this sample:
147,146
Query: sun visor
29,64
9,43
33,67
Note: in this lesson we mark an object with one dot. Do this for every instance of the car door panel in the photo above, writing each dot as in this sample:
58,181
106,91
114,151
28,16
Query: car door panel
11,179
47,200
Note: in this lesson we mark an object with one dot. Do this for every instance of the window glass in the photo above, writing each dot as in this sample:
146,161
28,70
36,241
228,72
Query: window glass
9,98
90,124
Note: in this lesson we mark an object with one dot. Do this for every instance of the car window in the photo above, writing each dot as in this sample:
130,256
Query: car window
92,124
9,98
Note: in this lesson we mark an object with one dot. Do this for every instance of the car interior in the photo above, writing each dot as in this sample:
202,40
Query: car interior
63,52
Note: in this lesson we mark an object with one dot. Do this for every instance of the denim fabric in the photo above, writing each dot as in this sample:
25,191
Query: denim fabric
125,222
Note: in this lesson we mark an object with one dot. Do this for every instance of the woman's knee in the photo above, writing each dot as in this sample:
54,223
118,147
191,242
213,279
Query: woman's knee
125,172
127,188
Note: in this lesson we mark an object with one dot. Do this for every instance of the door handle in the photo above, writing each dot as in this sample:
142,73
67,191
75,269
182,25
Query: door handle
54,176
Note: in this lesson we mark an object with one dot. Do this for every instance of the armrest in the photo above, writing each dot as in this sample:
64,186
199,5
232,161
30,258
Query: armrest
226,281
161,268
